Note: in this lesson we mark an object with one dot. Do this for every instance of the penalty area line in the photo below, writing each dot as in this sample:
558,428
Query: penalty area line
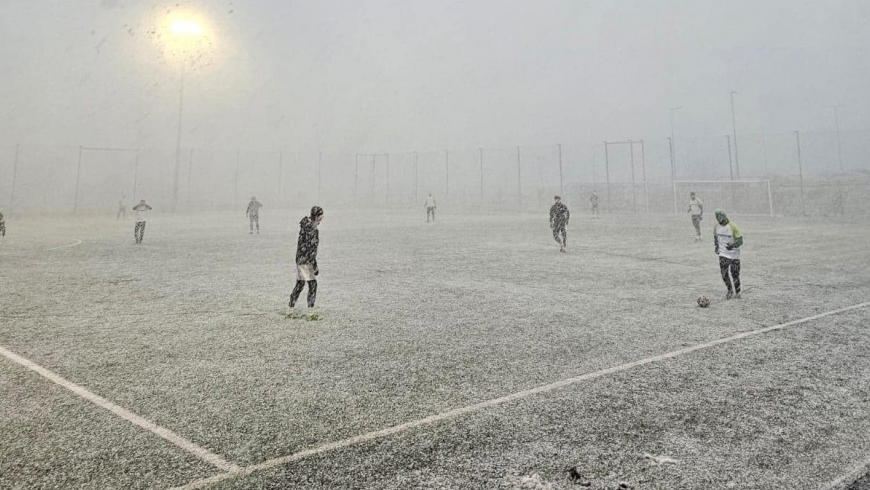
378,434
200,452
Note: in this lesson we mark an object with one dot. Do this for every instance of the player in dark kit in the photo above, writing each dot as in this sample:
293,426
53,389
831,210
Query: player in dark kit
306,257
593,201
253,214
559,216
2,226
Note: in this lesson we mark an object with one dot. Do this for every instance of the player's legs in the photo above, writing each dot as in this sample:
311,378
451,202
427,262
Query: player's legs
250,225
136,231
257,222
735,275
696,222
724,269
142,232
312,293
2,230
564,237
300,284
556,235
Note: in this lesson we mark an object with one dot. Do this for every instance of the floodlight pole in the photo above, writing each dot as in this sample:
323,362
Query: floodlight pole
373,177
14,178
839,158
731,170
178,141
673,173
734,130
387,180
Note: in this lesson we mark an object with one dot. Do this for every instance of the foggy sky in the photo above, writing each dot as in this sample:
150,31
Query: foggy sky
403,75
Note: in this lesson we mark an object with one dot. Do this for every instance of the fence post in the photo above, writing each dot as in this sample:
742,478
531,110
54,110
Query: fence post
189,176
561,181
480,153
319,174
769,198
645,183
236,184
797,135
14,178
280,175
519,181
607,175
447,170
135,174
78,176
633,187
673,173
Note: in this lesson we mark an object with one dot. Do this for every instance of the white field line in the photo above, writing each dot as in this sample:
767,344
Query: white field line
853,474
77,242
199,452
69,245
369,436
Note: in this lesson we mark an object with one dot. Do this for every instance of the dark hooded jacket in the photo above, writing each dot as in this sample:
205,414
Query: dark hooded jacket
559,215
306,244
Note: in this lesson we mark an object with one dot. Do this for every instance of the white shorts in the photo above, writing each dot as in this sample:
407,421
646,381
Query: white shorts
305,272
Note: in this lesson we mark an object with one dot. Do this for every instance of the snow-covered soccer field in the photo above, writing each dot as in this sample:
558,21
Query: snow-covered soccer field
507,361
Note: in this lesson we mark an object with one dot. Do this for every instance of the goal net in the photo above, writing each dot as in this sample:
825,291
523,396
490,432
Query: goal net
746,197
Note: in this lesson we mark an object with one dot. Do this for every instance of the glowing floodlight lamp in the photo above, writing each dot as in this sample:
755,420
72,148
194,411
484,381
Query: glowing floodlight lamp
185,28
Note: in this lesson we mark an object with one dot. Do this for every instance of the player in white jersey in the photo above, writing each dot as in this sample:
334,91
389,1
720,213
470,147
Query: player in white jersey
253,214
727,241
430,207
122,207
141,217
696,209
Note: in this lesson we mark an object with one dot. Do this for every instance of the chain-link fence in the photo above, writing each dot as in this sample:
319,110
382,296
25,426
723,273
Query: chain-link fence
817,173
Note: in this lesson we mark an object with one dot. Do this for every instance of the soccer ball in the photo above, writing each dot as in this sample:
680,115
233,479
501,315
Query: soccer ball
703,301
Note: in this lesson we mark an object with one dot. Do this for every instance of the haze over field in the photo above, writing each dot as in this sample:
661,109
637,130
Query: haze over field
394,75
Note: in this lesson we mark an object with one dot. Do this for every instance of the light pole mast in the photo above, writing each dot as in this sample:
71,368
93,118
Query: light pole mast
178,142
839,155
734,132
